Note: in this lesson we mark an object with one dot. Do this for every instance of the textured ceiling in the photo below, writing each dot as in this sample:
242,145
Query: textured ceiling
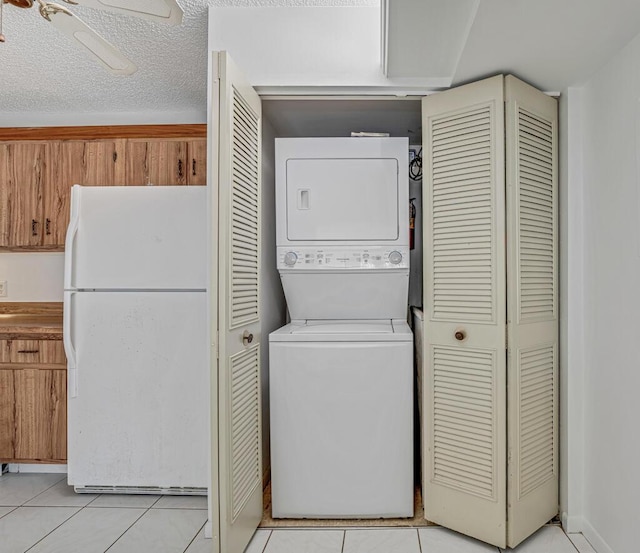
43,72
45,79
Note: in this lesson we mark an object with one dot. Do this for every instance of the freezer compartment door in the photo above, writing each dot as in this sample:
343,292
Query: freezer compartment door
140,416
137,237
341,429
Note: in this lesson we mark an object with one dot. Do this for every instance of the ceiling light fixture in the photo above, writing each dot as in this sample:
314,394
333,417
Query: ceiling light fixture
163,11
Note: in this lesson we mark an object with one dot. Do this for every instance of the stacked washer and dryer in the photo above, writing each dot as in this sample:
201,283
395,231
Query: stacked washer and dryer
341,373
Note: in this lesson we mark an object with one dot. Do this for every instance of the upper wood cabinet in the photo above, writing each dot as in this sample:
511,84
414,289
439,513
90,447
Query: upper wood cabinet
166,162
197,161
159,162
36,176
27,171
91,163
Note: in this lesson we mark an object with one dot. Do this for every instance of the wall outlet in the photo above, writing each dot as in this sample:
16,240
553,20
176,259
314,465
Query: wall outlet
3,288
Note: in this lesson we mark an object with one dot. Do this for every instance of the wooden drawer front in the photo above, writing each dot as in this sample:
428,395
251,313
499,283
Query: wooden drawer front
44,352
41,414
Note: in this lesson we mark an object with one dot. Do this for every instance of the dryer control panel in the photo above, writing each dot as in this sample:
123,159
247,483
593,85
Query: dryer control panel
345,257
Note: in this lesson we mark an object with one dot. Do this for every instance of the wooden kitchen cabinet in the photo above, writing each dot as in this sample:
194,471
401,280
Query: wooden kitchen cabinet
197,162
33,401
28,169
157,162
166,162
41,415
33,383
86,162
36,175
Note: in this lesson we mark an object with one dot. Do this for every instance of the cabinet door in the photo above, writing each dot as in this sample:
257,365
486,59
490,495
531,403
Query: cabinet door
197,162
25,170
40,414
7,415
158,162
91,163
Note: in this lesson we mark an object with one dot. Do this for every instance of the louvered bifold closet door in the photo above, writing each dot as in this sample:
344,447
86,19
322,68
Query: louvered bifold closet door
239,470
532,267
464,485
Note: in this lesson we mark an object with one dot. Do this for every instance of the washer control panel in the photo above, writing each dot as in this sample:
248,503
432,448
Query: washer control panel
346,257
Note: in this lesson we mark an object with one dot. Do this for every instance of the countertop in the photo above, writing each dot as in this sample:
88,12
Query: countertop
31,321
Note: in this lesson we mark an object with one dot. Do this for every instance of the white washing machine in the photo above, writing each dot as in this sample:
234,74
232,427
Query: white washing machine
341,420
341,384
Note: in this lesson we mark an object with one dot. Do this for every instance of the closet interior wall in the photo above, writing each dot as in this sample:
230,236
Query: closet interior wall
296,117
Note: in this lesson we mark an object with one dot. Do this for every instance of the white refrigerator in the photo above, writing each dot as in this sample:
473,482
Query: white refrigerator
135,335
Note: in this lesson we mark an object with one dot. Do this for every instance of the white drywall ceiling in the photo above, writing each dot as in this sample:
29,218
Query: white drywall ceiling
552,44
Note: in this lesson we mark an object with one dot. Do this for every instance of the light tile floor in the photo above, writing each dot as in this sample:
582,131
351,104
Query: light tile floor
39,513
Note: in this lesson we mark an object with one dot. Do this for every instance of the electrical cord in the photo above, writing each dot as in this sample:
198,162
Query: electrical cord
415,167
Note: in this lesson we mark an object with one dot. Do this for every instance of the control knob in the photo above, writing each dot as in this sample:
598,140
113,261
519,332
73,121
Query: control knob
395,257
290,259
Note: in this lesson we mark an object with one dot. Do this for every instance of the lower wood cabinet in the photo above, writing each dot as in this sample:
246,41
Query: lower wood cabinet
33,401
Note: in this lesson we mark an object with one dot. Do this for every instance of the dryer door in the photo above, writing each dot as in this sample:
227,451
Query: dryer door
342,199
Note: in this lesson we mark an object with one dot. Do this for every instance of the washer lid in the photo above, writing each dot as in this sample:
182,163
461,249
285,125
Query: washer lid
344,327
343,331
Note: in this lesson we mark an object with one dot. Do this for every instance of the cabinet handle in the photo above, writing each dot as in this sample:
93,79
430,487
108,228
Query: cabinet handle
180,169
115,157
34,227
28,351
47,226
460,335
193,167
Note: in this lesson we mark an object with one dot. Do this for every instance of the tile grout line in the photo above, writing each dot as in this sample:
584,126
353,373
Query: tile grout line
344,538
194,537
574,545
128,528
39,494
267,542
54,529
419,541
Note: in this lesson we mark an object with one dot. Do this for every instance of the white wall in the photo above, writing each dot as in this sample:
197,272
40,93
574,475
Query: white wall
612,304
272,306
305,46
32,276
571,310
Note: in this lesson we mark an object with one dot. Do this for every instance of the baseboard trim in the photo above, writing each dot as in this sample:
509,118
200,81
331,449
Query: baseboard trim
594,538
571,524
38,468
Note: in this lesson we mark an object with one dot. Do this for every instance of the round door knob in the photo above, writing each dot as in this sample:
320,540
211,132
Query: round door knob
290,259
460,335
247,338
395,257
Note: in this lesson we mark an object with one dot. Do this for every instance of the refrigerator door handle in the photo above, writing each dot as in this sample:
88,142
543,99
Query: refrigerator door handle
69,349
72,230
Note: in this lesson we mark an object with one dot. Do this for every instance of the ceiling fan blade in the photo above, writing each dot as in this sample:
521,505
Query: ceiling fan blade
107,54
161,11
